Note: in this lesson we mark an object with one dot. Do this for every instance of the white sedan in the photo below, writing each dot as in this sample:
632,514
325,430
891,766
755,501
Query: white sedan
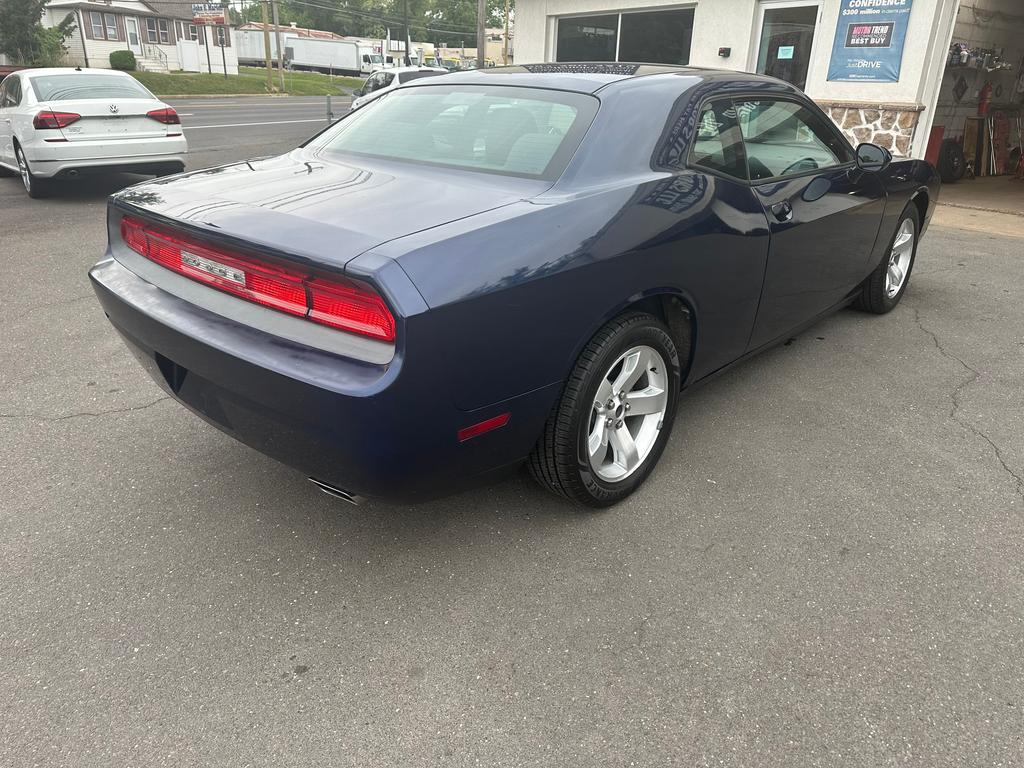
384,80
61,123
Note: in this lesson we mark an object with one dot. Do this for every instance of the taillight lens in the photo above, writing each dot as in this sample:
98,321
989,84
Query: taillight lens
50,120
167,116
331,301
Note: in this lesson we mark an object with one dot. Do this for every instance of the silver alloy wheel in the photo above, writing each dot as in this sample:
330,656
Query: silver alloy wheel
26,177
899,259
627,414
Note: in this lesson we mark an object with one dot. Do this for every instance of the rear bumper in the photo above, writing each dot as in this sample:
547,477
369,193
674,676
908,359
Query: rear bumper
377,431
51,159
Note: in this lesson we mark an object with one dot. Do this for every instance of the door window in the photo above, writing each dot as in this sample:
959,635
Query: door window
719,145
782,138
786,38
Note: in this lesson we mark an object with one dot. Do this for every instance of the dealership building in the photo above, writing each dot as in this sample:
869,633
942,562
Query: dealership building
894,72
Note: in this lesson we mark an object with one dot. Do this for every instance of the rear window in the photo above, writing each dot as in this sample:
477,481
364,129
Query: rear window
497,129
87,85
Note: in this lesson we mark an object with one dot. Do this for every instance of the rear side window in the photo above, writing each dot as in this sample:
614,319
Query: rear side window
719,145
87,85
507,130
10,92
407,77
783,138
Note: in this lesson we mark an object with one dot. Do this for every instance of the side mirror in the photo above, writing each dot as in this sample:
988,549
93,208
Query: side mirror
871,157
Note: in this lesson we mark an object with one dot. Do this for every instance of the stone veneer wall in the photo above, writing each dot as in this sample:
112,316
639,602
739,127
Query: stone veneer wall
888,126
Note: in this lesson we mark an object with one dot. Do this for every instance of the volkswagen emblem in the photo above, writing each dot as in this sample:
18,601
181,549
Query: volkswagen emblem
113,109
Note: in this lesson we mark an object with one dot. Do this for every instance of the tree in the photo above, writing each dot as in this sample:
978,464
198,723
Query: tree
433,21
25,39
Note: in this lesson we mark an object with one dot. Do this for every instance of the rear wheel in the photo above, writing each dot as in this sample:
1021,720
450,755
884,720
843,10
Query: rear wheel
34,186
611,424
886,285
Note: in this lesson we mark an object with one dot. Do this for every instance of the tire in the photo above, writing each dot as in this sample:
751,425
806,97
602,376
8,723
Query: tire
876,294
561,460
35,187
951,161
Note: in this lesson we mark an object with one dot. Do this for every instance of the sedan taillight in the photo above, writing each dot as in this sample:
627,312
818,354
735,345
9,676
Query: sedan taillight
167,116
332,301
50,120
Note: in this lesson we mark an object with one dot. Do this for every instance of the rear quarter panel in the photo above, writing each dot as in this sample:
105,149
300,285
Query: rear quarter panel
514,294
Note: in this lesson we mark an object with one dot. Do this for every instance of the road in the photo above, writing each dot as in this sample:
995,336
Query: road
827,569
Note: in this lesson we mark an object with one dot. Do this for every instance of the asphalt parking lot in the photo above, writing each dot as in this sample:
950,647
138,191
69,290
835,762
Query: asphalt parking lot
826,569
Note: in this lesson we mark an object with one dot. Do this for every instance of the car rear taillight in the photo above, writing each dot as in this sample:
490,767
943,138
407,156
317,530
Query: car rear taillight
50,120
167,116
333,301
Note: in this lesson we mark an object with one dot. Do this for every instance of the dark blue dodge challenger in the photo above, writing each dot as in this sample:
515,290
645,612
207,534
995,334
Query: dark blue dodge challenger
525,264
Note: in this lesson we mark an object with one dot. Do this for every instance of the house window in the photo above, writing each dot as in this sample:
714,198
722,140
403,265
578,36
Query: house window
656,37
96,22
111,25
193,32
151,33
165,31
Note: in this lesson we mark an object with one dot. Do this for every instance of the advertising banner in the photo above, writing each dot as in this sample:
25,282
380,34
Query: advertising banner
209,13
868,45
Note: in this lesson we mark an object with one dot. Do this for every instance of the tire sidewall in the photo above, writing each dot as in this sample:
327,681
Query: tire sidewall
36,188
651,334
910,212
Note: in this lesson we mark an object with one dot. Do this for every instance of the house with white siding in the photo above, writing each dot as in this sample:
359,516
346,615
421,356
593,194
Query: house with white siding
162,35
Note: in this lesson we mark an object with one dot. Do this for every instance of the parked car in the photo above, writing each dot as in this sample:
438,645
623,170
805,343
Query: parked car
596,239
59,123
382,81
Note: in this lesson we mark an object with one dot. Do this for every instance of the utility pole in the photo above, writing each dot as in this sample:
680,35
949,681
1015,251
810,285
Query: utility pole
221,34
405,12
277,41
481,32
504,55
266,46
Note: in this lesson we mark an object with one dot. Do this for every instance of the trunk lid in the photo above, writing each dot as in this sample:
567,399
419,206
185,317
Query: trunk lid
325,212
115,118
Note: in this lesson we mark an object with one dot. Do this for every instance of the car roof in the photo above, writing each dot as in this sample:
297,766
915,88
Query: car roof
71,71
590,77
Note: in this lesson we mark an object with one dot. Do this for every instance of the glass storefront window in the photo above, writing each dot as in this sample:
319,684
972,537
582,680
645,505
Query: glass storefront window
587,38
650,37
656,37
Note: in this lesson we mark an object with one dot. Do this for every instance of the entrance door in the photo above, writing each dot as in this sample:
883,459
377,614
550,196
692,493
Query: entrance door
132,28
787,40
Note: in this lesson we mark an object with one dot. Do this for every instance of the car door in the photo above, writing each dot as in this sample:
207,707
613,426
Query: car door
725,248
7,107
823,212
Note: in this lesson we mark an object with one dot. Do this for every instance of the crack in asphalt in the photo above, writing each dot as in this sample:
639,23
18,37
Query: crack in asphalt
96,414
957,402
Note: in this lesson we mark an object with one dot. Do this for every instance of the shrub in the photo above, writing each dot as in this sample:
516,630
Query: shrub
124,60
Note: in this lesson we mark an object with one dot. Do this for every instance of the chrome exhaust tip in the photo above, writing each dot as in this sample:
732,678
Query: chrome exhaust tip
338,493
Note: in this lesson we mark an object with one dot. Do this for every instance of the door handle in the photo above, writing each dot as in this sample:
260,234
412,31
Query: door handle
782,211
